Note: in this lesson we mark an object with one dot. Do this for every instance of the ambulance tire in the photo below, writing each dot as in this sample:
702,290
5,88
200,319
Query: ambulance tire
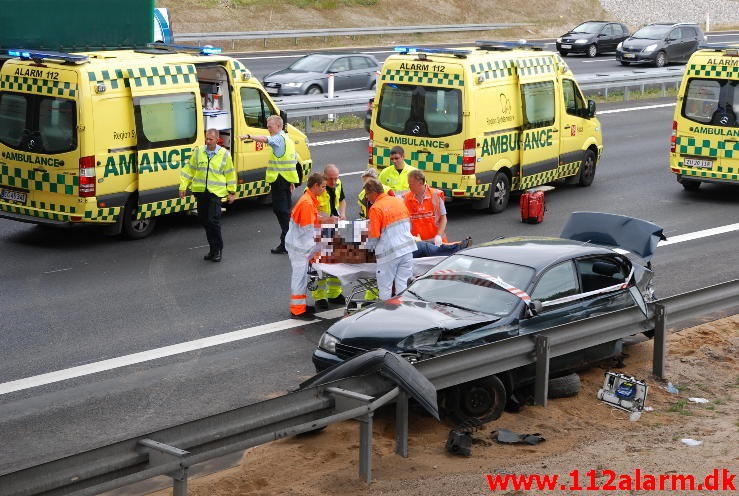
587,169
314,90
500,193
483,400
134,228
689,185
592,51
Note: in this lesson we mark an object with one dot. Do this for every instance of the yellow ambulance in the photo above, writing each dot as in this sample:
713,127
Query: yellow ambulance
100,137
486,120
705,135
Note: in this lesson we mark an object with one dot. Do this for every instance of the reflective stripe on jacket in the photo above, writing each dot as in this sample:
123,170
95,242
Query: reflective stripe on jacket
389,224
216,174
398,181
425,215
364,202
284,165
301,236
324,199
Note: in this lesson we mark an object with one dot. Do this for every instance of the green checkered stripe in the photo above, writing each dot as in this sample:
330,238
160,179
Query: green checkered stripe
33,212
38,181
721,172
687,145
717,71
166,75
109,214
564,170
493,69
475,191
255,188
40,86
164,207
535,66
53,206
237,69
421,77
307,166
450,164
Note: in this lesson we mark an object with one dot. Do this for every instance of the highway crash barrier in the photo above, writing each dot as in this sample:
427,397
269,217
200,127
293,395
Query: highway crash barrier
379,378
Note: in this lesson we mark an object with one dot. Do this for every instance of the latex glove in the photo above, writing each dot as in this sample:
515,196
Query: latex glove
437,240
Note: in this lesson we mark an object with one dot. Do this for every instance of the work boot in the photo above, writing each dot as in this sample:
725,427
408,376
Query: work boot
322,304
338,300
309,314
279,250
209,256
216,256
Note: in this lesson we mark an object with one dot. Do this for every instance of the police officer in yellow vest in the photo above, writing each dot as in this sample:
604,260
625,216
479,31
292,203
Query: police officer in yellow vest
397,176
282,173
332,202
210,175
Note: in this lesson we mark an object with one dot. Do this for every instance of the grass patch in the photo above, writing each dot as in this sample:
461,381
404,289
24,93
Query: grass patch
679,407
340,123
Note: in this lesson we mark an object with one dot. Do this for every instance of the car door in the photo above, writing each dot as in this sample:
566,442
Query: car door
341,69
674,46
621,33
690,41
362,72
605,39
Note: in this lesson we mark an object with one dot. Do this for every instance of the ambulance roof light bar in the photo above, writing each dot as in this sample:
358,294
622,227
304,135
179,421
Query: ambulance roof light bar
202,50
507,45
44,55
731,50
440,51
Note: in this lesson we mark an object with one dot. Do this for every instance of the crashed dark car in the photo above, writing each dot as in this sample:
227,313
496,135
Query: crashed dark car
505,288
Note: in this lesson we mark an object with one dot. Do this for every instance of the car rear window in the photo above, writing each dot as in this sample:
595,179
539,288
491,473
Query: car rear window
38,124
420,110
711,101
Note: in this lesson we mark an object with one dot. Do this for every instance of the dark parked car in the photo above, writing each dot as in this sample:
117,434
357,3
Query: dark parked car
592,38
481,295
309,74
661,43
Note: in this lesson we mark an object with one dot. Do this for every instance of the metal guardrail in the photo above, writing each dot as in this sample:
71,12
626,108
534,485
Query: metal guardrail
172,451
357,31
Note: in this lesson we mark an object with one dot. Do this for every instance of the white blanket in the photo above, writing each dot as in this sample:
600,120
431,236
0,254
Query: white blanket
349,274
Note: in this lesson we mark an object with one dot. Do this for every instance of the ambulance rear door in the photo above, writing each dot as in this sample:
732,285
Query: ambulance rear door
539,138
169,125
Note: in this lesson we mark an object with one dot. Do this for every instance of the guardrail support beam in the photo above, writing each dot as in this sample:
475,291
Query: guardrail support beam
401,424
160,454
365,447
660,342
541,390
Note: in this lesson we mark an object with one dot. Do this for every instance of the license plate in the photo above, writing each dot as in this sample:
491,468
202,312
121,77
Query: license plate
628,55
566,46
697,162
11,195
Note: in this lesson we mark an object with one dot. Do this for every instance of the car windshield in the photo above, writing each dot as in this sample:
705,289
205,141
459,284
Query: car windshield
420,110
588,28
311,63
466,294
652,33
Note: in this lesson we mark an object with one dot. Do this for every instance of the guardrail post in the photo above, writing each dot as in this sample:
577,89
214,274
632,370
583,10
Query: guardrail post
365,447
401,424
605,94
626,93
307,124
160,454
179,480
664,90
541,389
660,341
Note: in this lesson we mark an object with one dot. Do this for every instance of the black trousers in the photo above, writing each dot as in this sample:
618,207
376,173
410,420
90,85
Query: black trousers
282,204
209,215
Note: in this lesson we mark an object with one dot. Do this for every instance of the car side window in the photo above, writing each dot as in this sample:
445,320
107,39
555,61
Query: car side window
340,65
360,63
574,102
674,34
621,30
608,30
256,108
601,272
688,33
557,282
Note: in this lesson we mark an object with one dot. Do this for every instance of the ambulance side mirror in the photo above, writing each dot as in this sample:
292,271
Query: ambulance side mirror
591,109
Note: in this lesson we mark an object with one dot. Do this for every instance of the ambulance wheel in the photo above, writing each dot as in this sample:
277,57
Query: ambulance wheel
660,60
500,193
592,51
134,228
313,90
689,185
587,169
483,400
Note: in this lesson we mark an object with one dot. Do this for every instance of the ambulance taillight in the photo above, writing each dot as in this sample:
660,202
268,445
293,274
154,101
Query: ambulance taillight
370,147
87,177
469,156
673,138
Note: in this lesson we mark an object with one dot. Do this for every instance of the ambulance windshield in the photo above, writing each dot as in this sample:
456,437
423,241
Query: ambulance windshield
712,101
420,110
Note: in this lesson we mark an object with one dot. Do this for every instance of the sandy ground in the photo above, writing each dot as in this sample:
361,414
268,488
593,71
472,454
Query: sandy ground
581,433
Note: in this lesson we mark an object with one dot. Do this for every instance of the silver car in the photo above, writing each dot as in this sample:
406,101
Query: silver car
309,74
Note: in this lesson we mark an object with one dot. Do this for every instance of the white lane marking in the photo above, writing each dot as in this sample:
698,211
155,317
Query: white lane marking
57,270
681,238
272,57
336,142
331,314
630,109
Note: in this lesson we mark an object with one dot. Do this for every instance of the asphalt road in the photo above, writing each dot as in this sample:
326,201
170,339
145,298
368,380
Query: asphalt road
263,63
70,298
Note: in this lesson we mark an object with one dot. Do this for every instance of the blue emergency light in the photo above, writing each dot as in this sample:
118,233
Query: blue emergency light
507,45
202,50
731,48
39,55
442,51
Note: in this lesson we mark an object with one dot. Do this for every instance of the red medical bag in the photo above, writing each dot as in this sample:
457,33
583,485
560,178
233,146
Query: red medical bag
532,207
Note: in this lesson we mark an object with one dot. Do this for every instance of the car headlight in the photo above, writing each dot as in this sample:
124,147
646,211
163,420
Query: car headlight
428,337
620,46
559,40
292,85
328,342
650,48
581,41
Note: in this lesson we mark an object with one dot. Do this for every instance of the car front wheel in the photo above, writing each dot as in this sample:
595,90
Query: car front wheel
592,51
314,90
483,400
660,60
